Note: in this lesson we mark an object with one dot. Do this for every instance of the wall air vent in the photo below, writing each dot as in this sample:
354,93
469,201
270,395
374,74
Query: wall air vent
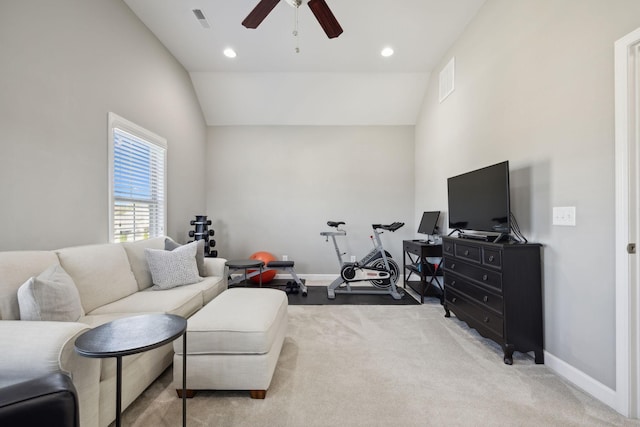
447,79
201,18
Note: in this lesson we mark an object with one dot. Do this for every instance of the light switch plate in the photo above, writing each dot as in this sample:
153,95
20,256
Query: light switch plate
564,215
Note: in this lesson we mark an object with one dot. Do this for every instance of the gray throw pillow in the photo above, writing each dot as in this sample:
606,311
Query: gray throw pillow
170,245
52,295
173,268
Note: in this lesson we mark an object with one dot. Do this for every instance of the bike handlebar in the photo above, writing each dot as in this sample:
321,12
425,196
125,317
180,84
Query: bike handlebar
389,227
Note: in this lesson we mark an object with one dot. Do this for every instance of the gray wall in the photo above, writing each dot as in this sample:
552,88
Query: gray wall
65,65
274,188
534,85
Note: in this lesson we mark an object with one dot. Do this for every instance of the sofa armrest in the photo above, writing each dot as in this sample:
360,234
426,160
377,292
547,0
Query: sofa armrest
215,266
33,349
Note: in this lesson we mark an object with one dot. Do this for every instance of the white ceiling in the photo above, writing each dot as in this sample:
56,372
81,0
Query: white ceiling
340,81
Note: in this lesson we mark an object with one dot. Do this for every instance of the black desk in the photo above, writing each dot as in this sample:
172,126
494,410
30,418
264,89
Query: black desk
416,253
131,335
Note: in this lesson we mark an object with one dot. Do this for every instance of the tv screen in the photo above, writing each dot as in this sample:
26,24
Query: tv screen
429,223
479,200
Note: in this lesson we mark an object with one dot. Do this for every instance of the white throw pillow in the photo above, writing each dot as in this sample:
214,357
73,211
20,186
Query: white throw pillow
170,245
52,295
173,268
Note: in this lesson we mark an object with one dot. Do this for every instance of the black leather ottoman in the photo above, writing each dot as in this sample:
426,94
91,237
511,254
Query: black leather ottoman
45,401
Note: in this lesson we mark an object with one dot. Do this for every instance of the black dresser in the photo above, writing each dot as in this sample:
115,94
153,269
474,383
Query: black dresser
496,288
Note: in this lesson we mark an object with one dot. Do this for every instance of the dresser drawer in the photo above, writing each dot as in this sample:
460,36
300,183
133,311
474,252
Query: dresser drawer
481,275
447,248
468,252
492,257
475,315
480,295
411,248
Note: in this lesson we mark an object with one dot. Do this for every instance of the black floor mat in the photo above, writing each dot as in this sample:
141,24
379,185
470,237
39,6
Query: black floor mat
317,295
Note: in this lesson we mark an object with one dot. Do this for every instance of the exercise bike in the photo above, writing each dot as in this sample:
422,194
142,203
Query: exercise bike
376,267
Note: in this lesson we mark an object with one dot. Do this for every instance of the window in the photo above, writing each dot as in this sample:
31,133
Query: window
137,184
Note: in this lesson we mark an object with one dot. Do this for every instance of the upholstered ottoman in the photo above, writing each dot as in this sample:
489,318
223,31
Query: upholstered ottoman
233,343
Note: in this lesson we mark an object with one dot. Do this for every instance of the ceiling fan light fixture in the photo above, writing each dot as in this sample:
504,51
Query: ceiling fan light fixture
229,53
387,52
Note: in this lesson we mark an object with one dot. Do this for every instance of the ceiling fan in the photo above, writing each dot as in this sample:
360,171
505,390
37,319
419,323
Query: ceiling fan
320,9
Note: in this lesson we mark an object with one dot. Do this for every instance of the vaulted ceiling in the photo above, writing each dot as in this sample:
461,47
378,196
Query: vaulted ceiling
339,81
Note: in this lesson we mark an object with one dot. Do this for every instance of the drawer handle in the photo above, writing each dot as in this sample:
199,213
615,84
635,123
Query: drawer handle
454,299
485,277
485,299
453,283
486,319
491,258
466,252
453,266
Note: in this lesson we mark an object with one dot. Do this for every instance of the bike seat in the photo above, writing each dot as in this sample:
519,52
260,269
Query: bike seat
334,223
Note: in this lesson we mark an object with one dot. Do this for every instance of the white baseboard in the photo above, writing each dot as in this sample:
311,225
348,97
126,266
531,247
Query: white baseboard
589,385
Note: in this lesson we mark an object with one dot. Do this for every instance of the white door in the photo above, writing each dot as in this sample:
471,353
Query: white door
627,135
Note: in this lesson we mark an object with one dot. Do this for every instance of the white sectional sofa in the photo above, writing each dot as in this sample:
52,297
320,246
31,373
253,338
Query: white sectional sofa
113,281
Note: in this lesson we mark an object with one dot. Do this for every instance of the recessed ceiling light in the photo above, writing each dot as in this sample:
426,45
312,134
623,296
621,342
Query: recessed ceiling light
386,52
230,53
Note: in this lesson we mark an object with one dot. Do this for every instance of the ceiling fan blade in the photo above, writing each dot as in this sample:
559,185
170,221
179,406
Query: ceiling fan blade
259,12
325,17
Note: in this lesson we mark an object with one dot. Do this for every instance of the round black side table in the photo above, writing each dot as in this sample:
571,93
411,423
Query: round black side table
131,335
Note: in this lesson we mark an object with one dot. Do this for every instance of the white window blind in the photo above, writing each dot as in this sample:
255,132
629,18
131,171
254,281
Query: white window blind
137,182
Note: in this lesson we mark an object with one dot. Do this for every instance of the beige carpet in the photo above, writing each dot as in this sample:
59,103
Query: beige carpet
385,366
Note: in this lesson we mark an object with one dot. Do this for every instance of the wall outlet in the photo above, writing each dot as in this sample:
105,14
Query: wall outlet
565,215
285,257
353,258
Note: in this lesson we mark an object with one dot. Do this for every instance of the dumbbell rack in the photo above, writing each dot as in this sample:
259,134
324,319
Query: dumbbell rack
202,232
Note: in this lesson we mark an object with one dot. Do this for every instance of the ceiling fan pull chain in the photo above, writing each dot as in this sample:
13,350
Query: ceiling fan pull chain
295,31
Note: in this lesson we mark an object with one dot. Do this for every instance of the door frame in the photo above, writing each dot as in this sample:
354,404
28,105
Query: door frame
627,165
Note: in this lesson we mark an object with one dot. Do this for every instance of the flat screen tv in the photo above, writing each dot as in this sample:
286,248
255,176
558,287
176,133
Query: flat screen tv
429,223
479,201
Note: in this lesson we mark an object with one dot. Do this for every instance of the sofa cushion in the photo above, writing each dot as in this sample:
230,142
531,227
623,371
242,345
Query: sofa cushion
173,268
202,269
210,287
138,259
183,301
101,272
51,295
16,268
